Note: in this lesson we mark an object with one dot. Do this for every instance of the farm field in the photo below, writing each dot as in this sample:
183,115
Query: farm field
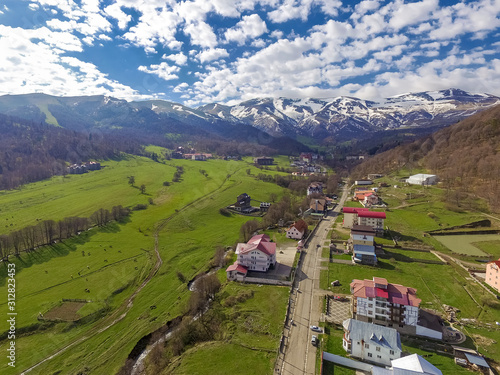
106,265
470,244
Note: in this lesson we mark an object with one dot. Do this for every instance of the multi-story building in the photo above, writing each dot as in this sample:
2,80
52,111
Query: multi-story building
371,342
380,302
493,274
258,254
363,216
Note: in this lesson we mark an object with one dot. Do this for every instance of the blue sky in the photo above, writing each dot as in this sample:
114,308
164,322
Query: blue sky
202,51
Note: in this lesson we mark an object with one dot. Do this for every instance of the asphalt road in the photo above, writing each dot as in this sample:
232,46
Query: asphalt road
300,354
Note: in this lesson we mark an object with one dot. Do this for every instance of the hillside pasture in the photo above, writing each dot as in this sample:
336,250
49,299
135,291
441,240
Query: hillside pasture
470,244
108,264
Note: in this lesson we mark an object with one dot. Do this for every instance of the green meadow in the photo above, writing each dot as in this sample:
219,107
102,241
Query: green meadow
108,265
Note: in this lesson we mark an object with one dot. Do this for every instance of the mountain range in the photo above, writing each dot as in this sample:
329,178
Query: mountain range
342,117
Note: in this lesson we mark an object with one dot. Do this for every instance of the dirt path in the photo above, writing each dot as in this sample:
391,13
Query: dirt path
121,312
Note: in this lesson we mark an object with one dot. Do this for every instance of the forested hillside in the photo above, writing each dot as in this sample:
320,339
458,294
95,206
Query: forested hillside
465,156
32,152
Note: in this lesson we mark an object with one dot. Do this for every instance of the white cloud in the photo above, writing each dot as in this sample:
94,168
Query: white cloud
211,54
34,61
162,70
364,7
201,34
249,27
179,58
117,13
406,14
291,9
180,87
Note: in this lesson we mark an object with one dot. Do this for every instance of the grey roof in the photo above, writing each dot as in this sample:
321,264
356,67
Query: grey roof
477,360
372,333
414,364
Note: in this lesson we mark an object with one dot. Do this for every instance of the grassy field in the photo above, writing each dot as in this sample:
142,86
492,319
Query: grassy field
113,261
251,335
470,244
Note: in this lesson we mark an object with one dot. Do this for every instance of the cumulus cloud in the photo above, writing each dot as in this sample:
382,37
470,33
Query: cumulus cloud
211,54
162,70
34,61
179,58
249,27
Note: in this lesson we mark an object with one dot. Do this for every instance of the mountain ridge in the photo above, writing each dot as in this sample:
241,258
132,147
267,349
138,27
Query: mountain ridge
343,117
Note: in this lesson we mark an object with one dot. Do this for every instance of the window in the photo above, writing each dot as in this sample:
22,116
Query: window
370,312
367,346
379,357
370,355
377,348
391,352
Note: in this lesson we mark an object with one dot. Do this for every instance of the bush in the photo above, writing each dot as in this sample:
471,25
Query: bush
224,211
140,207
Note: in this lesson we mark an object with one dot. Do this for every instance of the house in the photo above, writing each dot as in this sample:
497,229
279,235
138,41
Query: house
364,254
371,199
367,198
315,188
363,216
264,206
380,302
297,230
413,364
493,274
236,272
370,342
263,160
362,235
318,205
242,202
306,157
258,254
422,179
373,176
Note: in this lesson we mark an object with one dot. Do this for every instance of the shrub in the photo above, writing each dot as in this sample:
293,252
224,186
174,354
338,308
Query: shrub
140,207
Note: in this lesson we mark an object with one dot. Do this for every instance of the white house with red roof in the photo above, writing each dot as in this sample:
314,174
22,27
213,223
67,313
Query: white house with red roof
258,254
493,274
236,272
380,302
297,230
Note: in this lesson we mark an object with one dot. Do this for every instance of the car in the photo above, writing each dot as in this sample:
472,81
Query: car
314,339
315,329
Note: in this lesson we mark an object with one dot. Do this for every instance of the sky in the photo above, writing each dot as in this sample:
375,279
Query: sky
202,51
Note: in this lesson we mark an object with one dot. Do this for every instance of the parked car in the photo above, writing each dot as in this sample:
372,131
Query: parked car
316,329
314,339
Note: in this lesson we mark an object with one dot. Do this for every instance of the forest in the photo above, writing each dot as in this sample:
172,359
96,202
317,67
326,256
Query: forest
465,156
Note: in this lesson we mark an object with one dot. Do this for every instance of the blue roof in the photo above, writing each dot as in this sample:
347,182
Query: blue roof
364,248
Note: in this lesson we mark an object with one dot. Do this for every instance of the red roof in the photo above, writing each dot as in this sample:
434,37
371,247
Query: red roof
353,210
237,267
394,293
260,242
300,225
372,214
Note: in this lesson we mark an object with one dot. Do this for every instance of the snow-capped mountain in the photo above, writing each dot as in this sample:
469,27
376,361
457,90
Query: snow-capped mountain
347,115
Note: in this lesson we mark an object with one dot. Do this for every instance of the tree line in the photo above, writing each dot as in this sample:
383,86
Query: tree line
48,232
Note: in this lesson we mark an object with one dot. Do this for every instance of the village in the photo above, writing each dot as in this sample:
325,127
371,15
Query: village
377,313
